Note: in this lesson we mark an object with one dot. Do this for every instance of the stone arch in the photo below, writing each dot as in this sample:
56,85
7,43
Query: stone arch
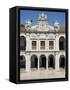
42,61
51,61
62,61
22,62
22,43
34,61
61,43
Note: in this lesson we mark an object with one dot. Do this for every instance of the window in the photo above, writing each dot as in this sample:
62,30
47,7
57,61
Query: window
51,44
42,44
61,43
33,44
22,43
22,62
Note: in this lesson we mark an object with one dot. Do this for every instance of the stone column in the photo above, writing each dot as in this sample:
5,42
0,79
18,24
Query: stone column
38,64
57,42
57,61
55,45
27,42
27,62
37,47
46,44
37,42
46,63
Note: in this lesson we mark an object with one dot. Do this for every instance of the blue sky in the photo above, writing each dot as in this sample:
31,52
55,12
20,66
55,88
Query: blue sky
33,15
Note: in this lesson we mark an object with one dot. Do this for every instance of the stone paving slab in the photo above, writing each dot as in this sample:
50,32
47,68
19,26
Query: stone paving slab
41,74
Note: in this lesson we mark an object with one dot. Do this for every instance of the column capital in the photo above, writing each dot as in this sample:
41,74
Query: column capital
57,53
27,53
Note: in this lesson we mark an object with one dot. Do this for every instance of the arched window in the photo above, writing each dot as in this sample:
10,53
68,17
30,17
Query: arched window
22,62
62,61
34,61
22,43
61,43
51,61
42,61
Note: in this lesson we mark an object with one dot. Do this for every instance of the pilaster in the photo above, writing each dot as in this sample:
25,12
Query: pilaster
27,62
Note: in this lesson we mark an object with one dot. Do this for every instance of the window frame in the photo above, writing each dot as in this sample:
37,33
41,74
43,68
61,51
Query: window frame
52,45
42,46
35,46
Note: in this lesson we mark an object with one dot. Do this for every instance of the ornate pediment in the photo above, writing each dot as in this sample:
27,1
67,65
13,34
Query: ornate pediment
42,36
33,36
51,36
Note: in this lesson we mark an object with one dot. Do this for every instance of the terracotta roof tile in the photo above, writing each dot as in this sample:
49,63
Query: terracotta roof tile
22,29
62,30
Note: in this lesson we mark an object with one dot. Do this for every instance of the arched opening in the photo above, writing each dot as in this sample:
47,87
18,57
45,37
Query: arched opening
51,62
34,61
62,61
22,43
42,61
61,43
22,62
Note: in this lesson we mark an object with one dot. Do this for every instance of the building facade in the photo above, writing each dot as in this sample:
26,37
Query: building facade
42,46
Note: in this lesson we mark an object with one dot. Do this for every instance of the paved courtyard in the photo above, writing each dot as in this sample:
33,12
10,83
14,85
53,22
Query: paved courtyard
41,74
